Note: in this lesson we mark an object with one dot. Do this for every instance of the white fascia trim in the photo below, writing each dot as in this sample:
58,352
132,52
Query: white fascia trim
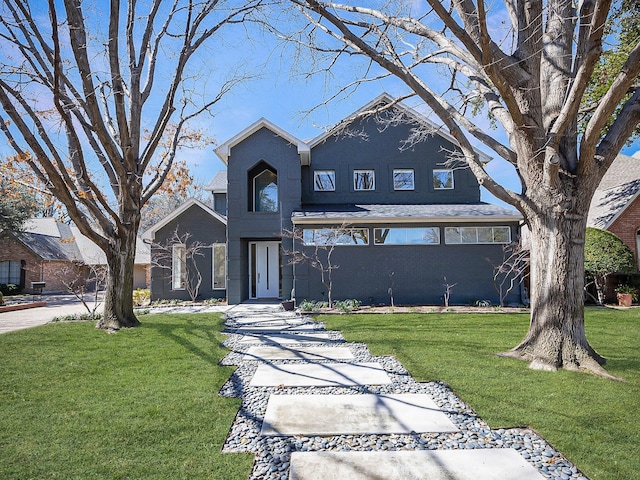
150,233
224,150
384,220
385,97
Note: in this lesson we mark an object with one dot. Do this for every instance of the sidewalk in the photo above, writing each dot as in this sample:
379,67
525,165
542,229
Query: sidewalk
56,305
317,407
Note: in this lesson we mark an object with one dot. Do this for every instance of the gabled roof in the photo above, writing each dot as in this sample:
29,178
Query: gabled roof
150,233
618,189
53,240
223,151
219,183
411,113
475,212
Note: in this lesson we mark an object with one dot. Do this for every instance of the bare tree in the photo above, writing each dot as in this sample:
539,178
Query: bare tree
88,100
181,263
513,269
529,76
81,279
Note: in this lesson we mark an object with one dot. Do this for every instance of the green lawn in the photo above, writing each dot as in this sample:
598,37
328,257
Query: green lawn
77,403
593,421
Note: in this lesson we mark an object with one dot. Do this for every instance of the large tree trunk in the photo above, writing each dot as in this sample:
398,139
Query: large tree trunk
556,337
118,301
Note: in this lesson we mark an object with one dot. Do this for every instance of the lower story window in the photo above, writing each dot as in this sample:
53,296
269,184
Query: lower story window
219,266
477,235
179,267
336,236
407,236
10,272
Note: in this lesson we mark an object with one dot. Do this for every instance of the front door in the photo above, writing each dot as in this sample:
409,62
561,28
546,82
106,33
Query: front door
264,269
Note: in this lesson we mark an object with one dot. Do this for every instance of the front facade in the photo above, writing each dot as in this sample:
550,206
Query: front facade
398,220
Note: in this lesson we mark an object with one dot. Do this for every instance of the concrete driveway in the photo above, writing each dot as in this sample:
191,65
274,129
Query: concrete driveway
56,305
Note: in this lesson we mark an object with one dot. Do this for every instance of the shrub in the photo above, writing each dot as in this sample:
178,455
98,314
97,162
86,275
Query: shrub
141,297
9,289
77,317
348,305
1,299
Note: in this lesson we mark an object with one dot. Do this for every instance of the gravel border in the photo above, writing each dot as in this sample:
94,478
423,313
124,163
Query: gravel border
272,454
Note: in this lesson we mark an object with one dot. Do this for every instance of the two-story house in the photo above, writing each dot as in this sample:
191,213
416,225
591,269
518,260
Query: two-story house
402,219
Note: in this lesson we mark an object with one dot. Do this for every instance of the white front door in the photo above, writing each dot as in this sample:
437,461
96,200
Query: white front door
264,269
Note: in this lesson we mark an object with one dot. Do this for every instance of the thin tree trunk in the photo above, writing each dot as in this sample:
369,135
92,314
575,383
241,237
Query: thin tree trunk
118,298
556,337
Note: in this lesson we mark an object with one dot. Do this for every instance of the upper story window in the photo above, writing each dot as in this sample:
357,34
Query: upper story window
264,189
324,180
364,180
443,179
462,235
403,179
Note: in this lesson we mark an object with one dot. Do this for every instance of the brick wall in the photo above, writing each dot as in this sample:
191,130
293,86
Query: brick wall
13,250
627,225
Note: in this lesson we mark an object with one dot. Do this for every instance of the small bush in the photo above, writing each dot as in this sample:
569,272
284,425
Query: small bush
1,299
482,303
348,305
310,305
214,301
78,317
9,289
141,297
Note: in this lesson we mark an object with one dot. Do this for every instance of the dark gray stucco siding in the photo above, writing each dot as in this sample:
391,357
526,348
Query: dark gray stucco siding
245,226
418,271
203,228
381,152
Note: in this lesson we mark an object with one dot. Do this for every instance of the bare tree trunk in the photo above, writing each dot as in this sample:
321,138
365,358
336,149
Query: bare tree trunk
556,337
118,298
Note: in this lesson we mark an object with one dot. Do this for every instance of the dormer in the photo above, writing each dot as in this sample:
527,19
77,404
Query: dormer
218,189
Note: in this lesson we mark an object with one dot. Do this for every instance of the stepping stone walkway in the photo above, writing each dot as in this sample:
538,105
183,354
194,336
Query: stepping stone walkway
316,407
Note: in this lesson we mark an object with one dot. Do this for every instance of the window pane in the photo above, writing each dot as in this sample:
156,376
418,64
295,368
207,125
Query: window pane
501,234
443,179
364,180
452,235
469,235
324,180
219,266
327,236
485,235
407,236
403,180
266,192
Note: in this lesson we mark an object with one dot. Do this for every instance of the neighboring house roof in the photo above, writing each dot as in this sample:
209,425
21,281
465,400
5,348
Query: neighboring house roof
53,240
619,187
224,150
477,212
150,233
219,183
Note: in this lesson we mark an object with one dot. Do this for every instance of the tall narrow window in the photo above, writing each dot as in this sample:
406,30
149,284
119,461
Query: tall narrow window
324,180
265,191
443,179
179,267
219,266
364,180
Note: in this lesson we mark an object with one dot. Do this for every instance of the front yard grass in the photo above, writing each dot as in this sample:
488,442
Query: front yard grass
77,403
593,421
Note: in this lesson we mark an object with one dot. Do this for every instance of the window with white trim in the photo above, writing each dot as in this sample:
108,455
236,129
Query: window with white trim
364,180
178,266
403,179
335,236
407,236
443,179
219,266
324,180
476,235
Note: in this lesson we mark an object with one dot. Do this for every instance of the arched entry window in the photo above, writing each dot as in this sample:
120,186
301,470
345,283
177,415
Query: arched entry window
263,188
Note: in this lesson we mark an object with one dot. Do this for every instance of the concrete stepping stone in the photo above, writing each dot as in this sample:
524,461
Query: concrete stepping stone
481,464
285,338
300,353
353,414
304,327
320,374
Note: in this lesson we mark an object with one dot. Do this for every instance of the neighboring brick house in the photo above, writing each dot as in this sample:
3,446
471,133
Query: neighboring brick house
616,203
53,252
